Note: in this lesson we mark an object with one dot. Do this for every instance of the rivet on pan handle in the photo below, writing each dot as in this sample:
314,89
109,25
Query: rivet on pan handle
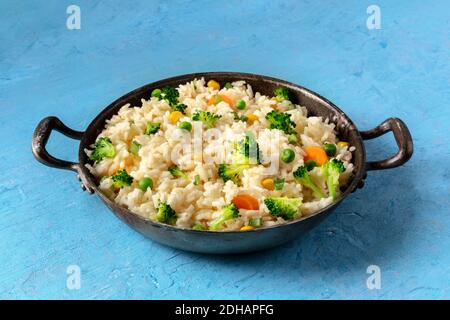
402,137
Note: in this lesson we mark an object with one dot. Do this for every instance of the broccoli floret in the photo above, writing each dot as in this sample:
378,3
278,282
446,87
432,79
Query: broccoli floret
281,121
178,173
232,171
238,117
302,176
284,207
331,171
152,127
281,93
250,148
180,107
246,153
166,214
122,179
103,148
228,212
209,119
170,94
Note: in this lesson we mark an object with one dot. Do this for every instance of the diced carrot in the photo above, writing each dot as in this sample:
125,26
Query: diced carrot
212,100
227,100
221,97
245,201
317,154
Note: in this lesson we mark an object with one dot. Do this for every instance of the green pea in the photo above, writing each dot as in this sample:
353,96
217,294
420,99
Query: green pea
240,104
228,85
217,99
145,183
330,149
292,139
156,93
186,126
310,164
287,155
198,227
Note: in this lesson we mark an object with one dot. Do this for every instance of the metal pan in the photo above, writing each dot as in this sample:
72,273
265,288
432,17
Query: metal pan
234,241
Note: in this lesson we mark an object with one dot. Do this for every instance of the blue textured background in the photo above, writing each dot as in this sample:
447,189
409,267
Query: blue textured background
400,221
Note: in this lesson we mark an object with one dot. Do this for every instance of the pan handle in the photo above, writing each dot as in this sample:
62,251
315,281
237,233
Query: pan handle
40,138
39,142
402,137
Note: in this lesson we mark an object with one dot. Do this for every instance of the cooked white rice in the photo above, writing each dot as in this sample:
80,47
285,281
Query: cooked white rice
202,203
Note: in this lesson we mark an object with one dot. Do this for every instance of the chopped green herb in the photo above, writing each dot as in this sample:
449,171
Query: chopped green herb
178,173
198,226
134,147
279,184
238,117
255,222
292,139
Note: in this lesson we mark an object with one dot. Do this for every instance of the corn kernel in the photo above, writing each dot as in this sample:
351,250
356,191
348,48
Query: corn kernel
276,99
213,84
174,116
246,228
251,118
343,144
268,184
198,157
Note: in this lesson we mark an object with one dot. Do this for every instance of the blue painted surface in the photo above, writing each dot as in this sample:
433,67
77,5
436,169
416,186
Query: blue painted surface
400,221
